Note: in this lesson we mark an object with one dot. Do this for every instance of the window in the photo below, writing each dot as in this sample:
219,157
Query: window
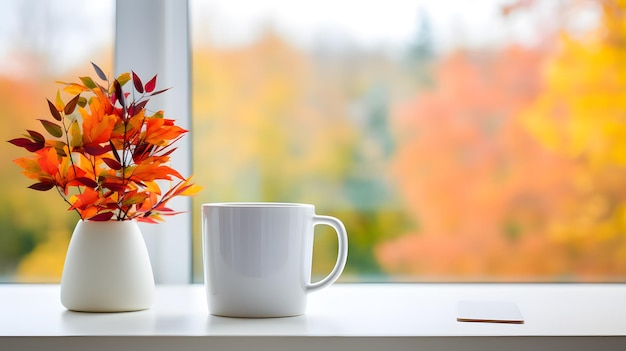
39,45
457,140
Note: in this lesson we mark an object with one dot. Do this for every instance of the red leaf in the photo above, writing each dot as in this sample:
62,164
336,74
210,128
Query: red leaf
136,108
71,105
27,144
115,154
112,163
54,112
162,208
151,85
87,182
141,151
146,220
37,137
102,217
97,150
114,186
137,83
119,94
141,105
169,152
42,186
159,92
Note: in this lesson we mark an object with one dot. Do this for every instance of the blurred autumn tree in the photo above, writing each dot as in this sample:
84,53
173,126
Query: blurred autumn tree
275,123
258,133
36,226
35,233
581,116
463,164
255,123
515,172
18,235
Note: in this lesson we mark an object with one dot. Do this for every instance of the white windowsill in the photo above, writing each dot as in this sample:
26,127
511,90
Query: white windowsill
345,316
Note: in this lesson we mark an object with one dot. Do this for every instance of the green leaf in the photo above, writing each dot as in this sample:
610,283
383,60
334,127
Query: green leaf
52,128
53,111
76,138
123,78
59,146
89,83
82,101
99,71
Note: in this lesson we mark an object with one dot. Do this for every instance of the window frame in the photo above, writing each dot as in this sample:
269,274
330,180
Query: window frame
152,37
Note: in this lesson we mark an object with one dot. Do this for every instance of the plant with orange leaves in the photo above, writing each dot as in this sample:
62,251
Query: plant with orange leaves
107,154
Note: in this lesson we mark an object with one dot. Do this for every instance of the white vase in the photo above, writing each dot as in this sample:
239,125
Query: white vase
107,268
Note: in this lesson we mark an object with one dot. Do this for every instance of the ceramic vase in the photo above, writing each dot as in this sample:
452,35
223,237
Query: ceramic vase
107,268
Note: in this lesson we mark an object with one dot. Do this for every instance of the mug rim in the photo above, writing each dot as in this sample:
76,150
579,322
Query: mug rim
257,204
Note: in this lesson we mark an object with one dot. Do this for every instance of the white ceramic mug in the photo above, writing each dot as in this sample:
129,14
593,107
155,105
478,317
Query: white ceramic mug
258,257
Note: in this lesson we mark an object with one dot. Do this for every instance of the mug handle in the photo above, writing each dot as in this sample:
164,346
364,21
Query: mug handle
342,251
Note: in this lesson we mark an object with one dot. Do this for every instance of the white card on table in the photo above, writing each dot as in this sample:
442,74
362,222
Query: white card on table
489,312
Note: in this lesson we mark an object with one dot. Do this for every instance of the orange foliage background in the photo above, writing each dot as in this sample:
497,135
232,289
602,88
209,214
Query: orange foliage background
513,164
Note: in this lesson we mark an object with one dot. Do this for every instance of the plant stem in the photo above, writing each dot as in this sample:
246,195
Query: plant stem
69,148
68,202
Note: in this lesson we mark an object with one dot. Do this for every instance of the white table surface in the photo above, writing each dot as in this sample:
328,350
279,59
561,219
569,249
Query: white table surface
344,316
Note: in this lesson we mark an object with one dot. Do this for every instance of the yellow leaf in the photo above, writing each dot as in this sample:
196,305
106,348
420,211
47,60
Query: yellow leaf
60,105
152,187
192,190
74,89
122,79
76,137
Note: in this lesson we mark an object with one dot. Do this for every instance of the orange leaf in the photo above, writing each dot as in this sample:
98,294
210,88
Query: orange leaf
160,131
48,161
31,168
84,200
